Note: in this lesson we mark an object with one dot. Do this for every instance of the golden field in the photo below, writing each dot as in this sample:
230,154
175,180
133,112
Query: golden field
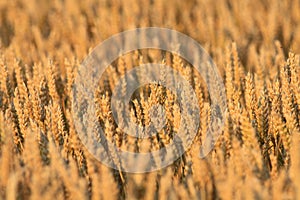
255,45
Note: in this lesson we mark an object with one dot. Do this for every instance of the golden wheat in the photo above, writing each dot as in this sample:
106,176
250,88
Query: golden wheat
253,43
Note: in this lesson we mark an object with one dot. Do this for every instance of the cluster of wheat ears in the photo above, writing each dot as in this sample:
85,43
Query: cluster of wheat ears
254,45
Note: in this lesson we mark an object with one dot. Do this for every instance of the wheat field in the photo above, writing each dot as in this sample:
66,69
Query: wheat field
255,45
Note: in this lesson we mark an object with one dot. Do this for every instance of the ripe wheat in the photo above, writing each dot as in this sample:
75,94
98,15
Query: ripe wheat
257,156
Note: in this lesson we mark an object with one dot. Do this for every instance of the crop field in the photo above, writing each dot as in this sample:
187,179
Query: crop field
44,154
